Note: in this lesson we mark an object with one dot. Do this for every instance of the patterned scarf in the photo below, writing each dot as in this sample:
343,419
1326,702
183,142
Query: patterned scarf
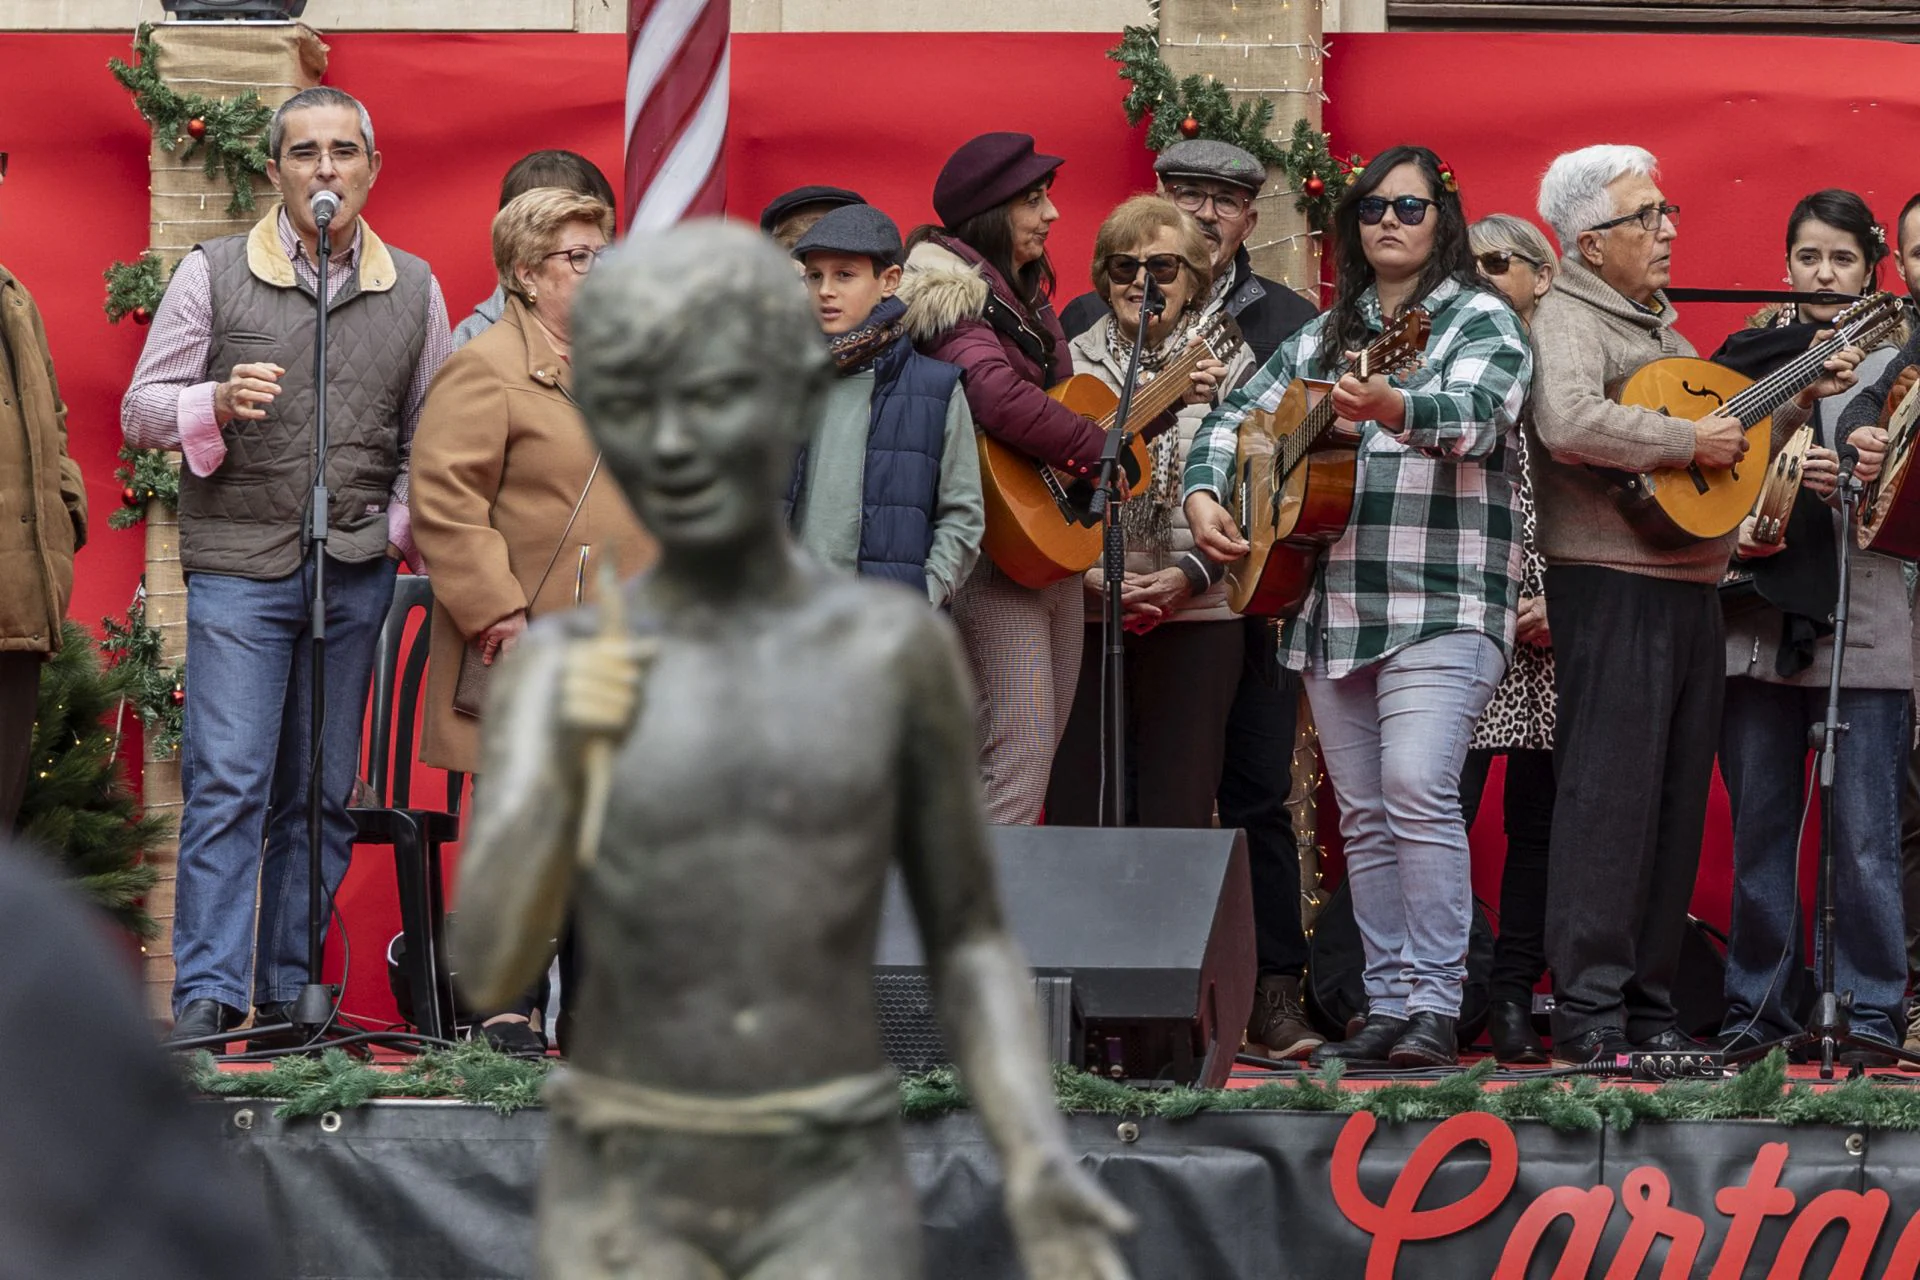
1148,520
857,348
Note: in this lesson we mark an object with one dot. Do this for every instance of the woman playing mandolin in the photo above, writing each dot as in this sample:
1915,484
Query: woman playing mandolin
1181,677
1779,646
1405,631
978,295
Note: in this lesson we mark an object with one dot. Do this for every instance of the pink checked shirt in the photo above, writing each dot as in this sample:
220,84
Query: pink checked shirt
170,406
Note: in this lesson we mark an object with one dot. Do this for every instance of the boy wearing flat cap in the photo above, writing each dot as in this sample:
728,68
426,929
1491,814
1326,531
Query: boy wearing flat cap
889,485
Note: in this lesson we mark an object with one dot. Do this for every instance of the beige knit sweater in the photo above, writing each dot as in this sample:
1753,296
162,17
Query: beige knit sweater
1586,337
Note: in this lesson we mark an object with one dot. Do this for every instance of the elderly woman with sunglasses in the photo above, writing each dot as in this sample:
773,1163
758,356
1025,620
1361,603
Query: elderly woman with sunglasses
1181,676
1406,630
509,513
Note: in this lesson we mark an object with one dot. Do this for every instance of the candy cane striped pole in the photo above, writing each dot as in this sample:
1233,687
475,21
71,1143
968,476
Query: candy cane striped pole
676,110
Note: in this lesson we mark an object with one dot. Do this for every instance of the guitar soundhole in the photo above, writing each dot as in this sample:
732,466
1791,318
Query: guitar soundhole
1705,393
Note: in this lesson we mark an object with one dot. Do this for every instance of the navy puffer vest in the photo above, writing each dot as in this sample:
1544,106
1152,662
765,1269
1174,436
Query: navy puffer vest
906,435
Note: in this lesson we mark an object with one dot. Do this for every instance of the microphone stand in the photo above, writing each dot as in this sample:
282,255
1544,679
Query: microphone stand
1105,507
1830,1026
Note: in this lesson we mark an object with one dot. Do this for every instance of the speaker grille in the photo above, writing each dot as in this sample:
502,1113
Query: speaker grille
910,1030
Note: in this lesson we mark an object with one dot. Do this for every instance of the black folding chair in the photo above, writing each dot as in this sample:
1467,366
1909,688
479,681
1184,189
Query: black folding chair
415,835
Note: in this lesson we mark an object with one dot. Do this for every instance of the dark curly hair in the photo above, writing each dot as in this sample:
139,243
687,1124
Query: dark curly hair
1452,256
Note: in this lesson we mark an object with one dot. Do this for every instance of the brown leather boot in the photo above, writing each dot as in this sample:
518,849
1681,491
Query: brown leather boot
1279,1025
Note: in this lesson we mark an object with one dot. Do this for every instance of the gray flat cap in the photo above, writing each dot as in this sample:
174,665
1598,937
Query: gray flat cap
854,228
1207,158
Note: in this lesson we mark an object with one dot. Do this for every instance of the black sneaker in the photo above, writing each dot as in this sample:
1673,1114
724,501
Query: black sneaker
1601,1045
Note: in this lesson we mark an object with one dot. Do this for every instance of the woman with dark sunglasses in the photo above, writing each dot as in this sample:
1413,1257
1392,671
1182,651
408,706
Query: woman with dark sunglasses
1181,676
1406,630
1514,257
1777,604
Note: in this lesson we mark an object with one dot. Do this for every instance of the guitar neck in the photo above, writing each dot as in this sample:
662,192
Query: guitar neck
1759,401
1165,390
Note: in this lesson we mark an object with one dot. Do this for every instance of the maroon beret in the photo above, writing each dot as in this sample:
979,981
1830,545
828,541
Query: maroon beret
986,173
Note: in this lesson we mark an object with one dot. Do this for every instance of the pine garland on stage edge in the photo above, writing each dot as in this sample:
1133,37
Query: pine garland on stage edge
78,806
1200,107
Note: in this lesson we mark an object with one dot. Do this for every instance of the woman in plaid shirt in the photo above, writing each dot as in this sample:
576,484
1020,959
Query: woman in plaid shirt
1407,629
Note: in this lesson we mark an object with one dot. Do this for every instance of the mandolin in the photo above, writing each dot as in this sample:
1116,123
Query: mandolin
1040,526
1298,466
1889,519
1676,506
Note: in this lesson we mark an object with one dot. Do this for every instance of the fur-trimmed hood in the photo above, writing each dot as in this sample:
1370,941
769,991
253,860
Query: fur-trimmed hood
941,289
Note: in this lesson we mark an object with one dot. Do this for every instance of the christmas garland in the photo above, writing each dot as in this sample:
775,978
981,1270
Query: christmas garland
158,693
1199,107
135,288
477,1074
228,132
147,475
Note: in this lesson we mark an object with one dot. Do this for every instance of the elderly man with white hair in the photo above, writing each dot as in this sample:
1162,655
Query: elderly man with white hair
1637,633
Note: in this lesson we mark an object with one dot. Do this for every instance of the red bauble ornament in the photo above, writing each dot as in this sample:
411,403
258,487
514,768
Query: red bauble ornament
1315,187
178,696
1189,128
196,128
128,497
141,315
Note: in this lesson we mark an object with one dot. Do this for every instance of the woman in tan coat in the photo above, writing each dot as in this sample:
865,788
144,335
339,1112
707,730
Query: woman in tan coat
501,461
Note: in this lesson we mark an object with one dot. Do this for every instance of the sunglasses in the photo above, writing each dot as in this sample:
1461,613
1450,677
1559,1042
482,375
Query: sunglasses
1496,261
1409,211
1124,268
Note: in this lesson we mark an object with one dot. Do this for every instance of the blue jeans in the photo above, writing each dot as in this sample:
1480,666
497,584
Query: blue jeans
244,768
1395,737
1765,763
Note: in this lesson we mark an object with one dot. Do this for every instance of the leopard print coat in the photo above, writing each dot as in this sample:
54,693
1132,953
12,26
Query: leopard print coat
1520,717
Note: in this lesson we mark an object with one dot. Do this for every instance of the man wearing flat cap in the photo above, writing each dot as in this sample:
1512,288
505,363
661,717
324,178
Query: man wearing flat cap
789,215
1216,182
889,484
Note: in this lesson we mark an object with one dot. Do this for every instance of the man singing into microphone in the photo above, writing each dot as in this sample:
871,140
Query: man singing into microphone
227,378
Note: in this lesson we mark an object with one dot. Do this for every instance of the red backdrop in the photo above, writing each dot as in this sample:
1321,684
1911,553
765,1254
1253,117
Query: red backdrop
1743,126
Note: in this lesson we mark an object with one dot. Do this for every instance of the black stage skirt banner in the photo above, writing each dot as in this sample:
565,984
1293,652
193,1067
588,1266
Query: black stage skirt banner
438,1191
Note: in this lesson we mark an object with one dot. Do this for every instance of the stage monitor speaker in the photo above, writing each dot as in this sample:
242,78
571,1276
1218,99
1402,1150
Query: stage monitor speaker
1154,929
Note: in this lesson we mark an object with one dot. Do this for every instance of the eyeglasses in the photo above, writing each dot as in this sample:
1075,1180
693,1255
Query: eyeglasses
1226,204
1124,268
581,260
1496,261
1409,211
306,155
1648,216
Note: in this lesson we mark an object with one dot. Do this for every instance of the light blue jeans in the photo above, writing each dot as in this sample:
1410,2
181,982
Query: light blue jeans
1394,736
243,771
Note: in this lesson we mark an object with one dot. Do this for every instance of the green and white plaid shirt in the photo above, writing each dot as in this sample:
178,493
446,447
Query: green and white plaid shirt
1434,545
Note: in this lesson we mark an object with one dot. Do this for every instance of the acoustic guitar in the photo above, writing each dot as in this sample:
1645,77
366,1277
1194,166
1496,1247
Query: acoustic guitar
1676,506
1040,526
1889,518
1298,466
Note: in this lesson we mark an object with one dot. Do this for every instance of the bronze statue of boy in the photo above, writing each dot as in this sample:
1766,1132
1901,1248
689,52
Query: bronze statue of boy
767,738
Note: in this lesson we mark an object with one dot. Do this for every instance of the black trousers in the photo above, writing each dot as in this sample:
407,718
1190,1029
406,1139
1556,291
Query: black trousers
19,703
1181,678
1910,865
1640,673
1254,786
1520,950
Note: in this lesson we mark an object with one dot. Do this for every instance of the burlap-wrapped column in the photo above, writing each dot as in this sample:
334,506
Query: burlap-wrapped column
224,60
1268,49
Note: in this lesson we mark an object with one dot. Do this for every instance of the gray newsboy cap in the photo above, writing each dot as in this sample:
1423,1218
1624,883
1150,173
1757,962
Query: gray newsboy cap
854,228
1208,158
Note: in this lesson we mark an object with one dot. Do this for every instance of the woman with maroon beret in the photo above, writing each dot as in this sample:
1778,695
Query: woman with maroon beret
978,293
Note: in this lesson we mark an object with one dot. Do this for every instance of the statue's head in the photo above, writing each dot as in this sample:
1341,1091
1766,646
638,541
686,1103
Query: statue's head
699,366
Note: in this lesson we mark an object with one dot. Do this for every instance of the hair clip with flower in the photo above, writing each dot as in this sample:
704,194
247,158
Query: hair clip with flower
1447,179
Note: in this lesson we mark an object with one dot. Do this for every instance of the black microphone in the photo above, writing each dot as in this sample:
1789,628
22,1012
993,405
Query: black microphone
1154,302
1849,459
325,206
